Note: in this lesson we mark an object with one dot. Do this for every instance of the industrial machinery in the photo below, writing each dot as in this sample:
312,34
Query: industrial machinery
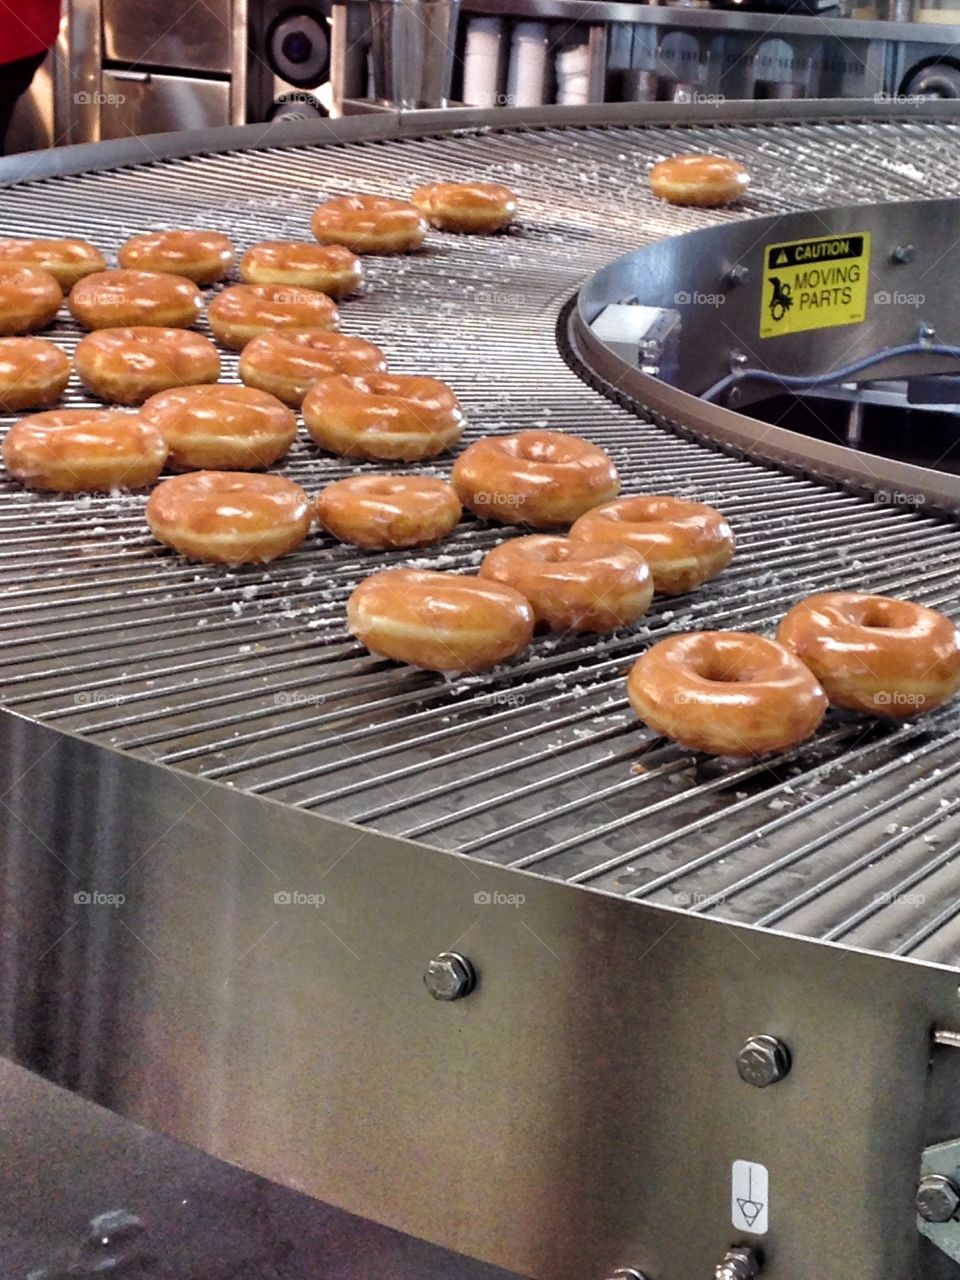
481,959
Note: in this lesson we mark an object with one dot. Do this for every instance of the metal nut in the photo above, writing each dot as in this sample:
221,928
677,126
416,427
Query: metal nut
937,1198
763,1060
738,1264
450,976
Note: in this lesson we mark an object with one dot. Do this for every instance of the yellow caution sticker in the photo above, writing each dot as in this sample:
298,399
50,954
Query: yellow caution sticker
815,284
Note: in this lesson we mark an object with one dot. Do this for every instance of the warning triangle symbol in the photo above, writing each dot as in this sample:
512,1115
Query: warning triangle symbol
751,1210
782,259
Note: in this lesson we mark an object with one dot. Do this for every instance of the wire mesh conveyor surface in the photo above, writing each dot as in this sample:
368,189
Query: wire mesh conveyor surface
249,677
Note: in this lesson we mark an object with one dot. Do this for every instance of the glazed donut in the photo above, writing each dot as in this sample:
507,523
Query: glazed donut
125,366
378,512
704,181
225,517
685,543
33,373
84,450
221,428
440,621
875,654
29,299
574,586
287,362
537,478
202,256
66,260
396,416
370,224
726,692
466,206
119,299
329,268
245,310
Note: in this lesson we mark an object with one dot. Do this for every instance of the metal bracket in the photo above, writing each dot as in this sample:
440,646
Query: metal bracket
942,1158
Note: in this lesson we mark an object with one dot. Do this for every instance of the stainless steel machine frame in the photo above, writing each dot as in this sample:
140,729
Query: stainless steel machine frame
727,262
577,1112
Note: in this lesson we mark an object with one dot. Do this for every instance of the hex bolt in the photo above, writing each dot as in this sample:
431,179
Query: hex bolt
737,274
738,360
450,976
903,253
937,1198
927,333
763,1061
738,1264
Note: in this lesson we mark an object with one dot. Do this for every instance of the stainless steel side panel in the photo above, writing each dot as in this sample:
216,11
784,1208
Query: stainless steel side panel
580,1110
134,103
180,34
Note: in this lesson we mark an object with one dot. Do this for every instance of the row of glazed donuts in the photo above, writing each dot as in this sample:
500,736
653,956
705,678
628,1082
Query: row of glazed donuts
737,694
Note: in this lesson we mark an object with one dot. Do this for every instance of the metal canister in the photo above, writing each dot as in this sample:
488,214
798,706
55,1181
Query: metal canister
413,49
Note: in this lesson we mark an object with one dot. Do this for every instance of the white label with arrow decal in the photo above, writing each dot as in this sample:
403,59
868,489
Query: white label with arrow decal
750,1197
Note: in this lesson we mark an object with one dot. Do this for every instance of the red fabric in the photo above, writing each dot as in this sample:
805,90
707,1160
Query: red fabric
27,27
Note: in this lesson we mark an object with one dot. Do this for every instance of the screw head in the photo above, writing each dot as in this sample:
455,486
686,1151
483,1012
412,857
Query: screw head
763,1061
449,976
937,1198
738,1264
903,253
737,274
927,333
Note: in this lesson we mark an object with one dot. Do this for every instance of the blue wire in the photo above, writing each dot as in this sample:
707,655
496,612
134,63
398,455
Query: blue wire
798,381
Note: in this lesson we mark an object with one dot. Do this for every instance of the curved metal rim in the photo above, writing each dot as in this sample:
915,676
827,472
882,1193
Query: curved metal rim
386,126
735,432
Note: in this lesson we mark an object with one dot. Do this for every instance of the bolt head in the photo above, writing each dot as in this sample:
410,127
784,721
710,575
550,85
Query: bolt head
937,1199
449,976
763,1061
903,253
627,1273
738,1264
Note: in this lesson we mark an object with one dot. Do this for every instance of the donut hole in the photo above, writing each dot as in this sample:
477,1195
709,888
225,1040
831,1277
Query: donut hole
538,450
553,552
723,669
